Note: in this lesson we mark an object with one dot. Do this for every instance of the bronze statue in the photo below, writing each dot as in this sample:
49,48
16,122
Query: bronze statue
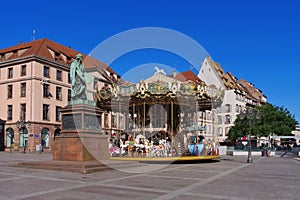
79,79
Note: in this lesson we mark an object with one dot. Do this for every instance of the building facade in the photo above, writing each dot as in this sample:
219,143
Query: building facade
238,95
35,85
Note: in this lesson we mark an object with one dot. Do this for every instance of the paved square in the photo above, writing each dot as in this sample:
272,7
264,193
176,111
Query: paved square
230,178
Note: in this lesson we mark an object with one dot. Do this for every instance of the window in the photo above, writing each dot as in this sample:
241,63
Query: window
9,91
122,125
23,70
45,112
69,95
23,111
10,73
227,108
220,119
58,75
227,131
237,97
9,137
69,78
56,56
227,119
95,84
9,112
204,115
46,72
208,129
2,57
220,131
58,93
237,108
46,91
208,116
57,113
114,121
106,120
23,89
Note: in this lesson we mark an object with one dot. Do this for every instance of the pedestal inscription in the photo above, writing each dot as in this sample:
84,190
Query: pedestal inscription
71,121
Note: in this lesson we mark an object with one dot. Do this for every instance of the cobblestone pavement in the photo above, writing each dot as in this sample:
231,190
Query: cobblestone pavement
230,178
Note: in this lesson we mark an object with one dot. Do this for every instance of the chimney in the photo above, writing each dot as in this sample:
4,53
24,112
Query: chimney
20,42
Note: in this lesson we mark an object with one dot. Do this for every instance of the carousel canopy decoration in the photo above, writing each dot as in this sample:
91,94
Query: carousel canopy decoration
152,92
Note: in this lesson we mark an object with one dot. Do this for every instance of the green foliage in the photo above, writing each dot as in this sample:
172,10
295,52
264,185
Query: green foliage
265,120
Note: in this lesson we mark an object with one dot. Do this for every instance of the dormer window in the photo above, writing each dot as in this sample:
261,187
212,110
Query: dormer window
56,56
115,76
108,74
15,54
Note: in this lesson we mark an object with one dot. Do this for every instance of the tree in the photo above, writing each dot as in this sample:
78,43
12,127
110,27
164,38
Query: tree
272,120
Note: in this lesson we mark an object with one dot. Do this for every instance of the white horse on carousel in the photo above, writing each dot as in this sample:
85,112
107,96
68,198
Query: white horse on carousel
159,71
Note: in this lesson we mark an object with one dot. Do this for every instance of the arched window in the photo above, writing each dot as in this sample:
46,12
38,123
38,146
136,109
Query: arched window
23,137
45,139
57,132
10,135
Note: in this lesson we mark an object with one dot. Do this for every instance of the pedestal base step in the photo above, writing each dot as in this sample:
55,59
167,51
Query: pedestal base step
77,166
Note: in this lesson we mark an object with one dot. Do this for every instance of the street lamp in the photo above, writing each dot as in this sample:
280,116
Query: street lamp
22,125
249,114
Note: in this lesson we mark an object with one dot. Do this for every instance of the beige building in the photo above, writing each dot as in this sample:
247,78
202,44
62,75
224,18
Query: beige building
34,85
239,94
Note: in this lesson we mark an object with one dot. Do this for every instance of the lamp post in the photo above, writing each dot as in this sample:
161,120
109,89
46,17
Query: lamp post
22,125
249,114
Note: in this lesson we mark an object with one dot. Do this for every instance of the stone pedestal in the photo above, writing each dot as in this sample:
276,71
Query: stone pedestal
81,138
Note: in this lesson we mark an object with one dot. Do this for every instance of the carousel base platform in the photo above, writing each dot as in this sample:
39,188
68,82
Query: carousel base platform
167,159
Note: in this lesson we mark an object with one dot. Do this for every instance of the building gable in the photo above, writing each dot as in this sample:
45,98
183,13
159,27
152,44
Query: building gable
211,73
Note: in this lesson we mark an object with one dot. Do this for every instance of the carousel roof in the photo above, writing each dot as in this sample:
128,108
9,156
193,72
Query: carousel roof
158,88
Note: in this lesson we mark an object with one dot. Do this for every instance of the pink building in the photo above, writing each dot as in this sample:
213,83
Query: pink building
34,85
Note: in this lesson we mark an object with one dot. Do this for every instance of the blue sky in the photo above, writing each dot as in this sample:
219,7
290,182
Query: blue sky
255,40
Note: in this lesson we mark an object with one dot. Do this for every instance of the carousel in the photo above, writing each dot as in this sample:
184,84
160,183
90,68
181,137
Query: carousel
158,120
